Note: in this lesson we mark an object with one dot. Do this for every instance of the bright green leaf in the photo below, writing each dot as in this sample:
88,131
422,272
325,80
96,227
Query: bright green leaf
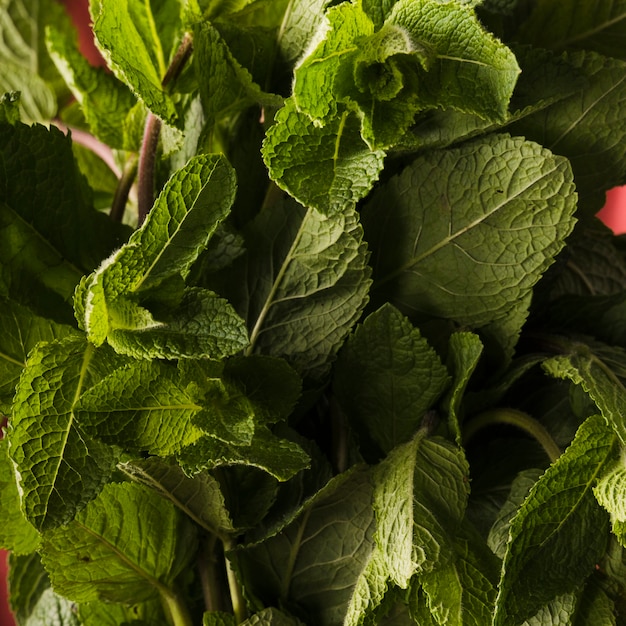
329,168
452,235
109,614
559,532
16,533
137,39
59,467
127,546
387,377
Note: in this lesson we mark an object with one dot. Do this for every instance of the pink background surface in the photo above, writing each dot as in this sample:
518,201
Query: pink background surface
613,215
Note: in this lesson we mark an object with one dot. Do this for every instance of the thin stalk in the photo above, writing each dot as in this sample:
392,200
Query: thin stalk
123,189
236,593
175,609
152,132
339,435
519,419
209,569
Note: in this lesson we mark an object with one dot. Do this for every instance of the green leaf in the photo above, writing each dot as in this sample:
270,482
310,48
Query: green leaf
108,614
586,128
280,458
104,101
315,561
41,263
141,407
271,617
199,497
26,66
329,167
16,534
127,546
302,285
27,581
558,534
53,610
138,39
452,236
226,87
464,352
472,71
215,618
387,377
597,377
9,108
22,330
59,467
583,25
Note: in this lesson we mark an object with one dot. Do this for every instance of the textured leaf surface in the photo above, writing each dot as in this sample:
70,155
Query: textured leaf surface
141,407
302,285
27,581
387,377
316,560
586,127
557,536
581,24
199,497
59,467
105,101
137,39
452,235
21,331
327,167
16,534
126,546
42,263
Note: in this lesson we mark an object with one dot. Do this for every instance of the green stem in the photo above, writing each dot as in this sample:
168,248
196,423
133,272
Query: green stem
175,608
124,185
519,419
236,593
209,569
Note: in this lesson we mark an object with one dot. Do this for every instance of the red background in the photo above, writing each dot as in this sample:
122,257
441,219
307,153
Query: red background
613,215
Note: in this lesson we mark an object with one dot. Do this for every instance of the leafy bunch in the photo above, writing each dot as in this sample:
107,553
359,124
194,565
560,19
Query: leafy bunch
290,332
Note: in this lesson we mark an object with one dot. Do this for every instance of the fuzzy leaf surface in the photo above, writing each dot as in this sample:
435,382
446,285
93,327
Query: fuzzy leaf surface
302,285
557,536
329,167
387,377
127,546
137,40
59,467
452,235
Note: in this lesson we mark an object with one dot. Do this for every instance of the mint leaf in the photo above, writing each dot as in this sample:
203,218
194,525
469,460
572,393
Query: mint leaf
27,68
585,128
52,608
9,107
109,614
556,537
16,534
42,263
199,497
127,546
22,330
593,26
302,285
465,350
328,168
387,377
271,617
280,458
477,253
59,467
104,101
138,39
141,407
316,560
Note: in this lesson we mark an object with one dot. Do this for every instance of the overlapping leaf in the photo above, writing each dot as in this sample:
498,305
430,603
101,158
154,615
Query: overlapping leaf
59,467
559,532
127,546
452,236
387,377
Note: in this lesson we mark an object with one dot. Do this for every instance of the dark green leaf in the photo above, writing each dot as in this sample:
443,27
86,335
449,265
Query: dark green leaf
559,532
27,581
387,377
452,235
